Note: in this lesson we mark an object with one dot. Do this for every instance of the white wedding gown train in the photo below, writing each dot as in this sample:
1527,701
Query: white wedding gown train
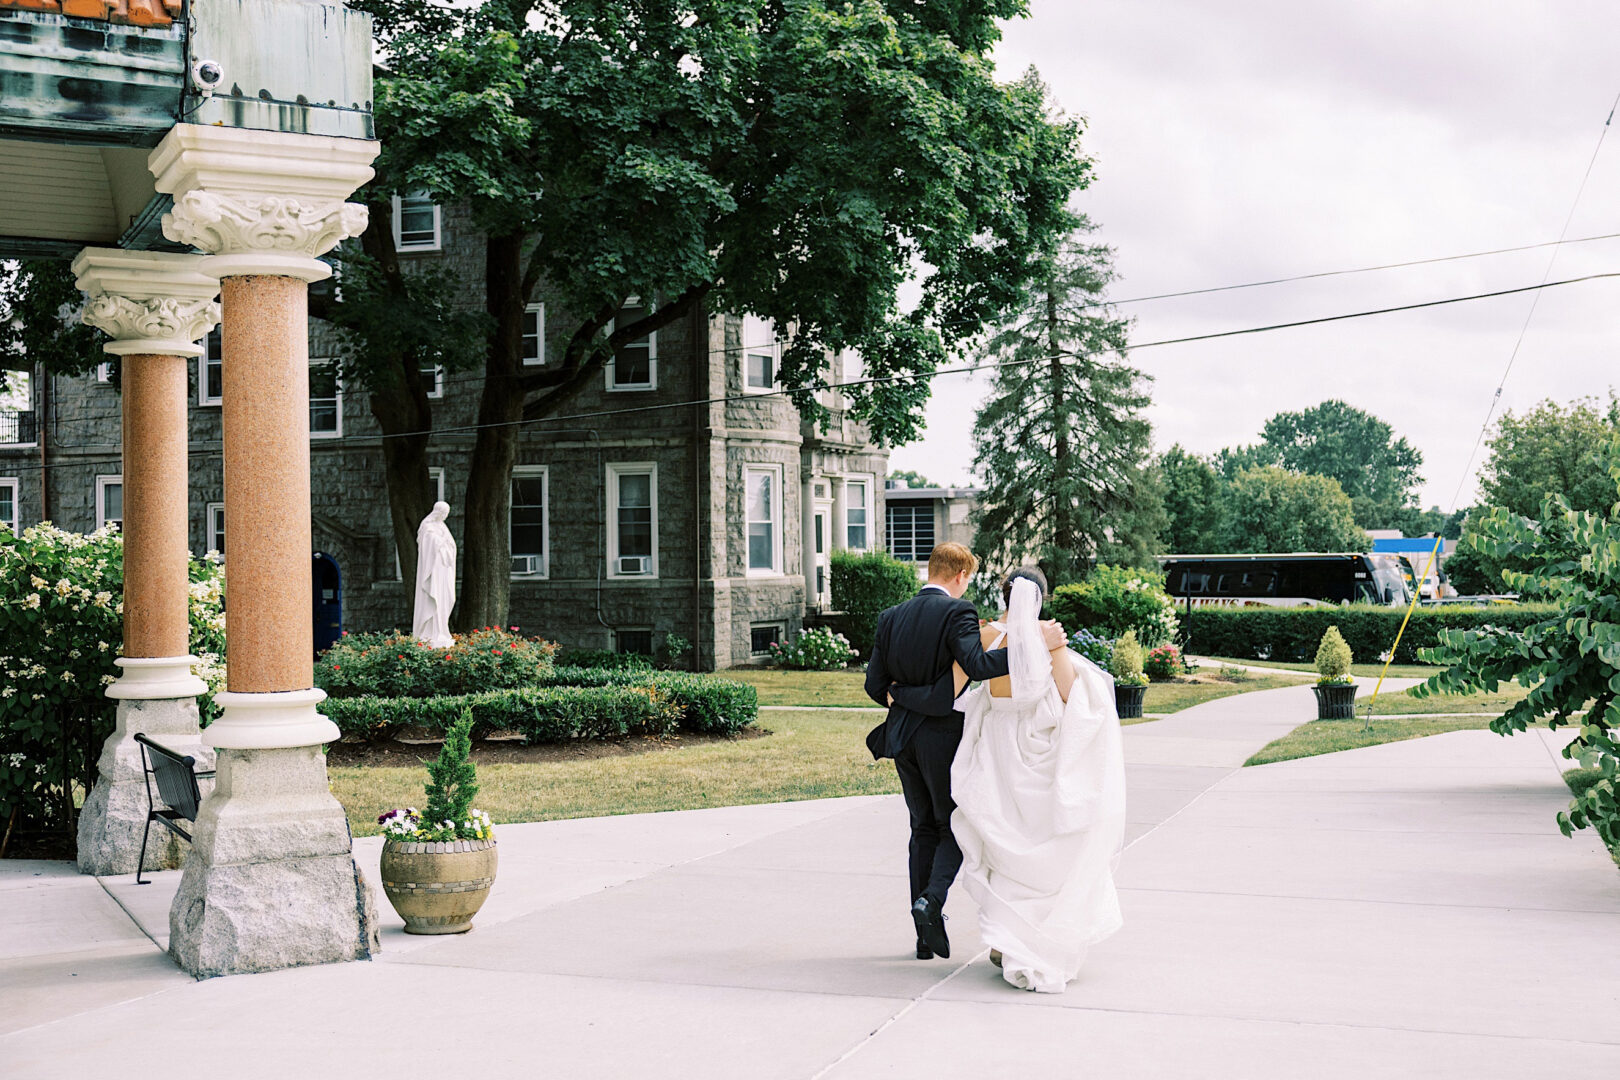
1040,794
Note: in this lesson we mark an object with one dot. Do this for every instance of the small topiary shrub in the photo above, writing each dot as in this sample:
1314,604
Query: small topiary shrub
1333,659
1115,599
1126,666
1163,663
863,584
817,649
396,664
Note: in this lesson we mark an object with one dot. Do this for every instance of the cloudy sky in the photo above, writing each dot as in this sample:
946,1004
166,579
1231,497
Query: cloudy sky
1257,139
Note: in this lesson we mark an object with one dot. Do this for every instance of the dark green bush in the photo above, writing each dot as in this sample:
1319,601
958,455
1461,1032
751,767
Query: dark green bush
395,664
579,703
1293,634
863,584
603,658
542,714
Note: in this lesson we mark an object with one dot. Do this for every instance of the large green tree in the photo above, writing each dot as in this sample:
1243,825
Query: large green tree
1551,450
1376,469
1269,509
799,160
1063,448
1194,494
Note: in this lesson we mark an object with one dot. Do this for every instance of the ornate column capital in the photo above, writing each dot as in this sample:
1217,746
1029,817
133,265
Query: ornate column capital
261,202
148,301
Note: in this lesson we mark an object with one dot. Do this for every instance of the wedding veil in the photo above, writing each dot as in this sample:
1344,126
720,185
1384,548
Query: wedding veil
1029,662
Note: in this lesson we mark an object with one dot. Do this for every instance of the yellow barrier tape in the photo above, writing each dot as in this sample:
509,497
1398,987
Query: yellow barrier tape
1411,607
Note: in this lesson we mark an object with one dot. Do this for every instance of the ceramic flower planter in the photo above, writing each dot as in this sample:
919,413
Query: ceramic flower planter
1128,700
1336,701
437,888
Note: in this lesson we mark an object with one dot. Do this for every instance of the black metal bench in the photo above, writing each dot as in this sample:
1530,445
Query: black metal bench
176,778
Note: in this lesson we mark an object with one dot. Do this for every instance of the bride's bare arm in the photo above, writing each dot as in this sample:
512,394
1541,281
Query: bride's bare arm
1063,672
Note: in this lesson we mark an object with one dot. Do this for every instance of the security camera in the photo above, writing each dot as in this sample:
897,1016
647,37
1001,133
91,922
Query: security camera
206,75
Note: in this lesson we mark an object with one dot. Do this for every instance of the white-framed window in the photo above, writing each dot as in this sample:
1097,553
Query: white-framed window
909,530
436,478
761,638
210,372
9,497
433,380
636,640
214,525
762,490
109,501
762,355
530,522
534,335
325,401
416,222
632,500
858,513
635,365
104,372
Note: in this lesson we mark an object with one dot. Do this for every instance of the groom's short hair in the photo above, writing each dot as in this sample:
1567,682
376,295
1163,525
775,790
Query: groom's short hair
949,559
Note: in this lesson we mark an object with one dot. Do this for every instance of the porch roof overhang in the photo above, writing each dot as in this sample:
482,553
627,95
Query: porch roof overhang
88,87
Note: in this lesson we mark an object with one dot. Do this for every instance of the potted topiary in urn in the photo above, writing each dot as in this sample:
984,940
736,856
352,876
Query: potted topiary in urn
1130,684
437,868
1335,688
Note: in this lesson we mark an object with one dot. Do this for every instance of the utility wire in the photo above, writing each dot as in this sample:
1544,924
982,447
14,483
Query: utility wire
1496,399
928,375
449,380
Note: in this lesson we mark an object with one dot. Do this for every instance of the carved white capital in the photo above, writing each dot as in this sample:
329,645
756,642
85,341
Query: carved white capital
148,301
260,234
261,202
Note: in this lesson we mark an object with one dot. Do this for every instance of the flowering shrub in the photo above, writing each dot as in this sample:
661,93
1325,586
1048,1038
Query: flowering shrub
1162,663
61,628
395,664
1126,666
452,786
816,649
1094,647
1115,599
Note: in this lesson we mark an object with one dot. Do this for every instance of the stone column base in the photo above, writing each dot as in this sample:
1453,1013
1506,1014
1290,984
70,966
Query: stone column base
271,881
114,815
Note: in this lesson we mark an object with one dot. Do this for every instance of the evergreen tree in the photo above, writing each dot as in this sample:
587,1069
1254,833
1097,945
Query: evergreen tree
1063,449
452,777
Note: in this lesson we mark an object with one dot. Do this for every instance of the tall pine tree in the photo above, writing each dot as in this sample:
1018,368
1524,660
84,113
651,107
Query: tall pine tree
1063,449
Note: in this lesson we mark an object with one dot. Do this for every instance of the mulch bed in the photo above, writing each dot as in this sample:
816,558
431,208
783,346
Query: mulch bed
397,755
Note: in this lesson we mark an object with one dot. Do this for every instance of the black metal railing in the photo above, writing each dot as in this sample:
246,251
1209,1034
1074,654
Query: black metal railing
18,427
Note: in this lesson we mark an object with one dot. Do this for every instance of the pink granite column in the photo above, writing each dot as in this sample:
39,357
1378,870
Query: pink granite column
156,555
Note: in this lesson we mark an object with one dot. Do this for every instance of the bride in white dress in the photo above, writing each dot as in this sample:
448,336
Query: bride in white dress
1039,784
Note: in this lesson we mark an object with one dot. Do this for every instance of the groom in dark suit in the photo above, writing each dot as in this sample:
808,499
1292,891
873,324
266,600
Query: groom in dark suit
910,673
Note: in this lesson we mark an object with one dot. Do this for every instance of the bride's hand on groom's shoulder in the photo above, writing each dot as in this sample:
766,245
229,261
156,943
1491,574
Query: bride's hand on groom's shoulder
1052,632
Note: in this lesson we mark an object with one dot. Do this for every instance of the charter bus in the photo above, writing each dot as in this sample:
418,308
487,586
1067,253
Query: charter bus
1294,580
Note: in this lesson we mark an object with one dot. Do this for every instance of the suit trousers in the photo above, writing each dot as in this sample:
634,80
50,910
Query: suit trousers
924,764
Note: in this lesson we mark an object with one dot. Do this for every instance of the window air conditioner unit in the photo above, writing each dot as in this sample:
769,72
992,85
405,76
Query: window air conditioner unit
634,564
525,564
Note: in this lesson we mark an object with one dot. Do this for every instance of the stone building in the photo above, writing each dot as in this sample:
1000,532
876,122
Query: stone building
709,522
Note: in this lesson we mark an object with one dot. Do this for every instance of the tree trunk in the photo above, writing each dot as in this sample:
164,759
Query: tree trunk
487,546
1065,535
405,420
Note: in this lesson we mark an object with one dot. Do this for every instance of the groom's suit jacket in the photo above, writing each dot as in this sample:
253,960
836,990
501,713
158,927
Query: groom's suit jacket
915,645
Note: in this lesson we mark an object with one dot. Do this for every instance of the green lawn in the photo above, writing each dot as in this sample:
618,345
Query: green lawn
810,688
1166,697
809,754
1402,703
1330,736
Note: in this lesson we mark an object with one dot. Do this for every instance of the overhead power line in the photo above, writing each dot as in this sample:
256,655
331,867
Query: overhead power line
928,376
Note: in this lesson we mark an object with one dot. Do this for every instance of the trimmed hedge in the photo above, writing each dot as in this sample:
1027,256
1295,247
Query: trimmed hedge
1293,634
862,585
596,704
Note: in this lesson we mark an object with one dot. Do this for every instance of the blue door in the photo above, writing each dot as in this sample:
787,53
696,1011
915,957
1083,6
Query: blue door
328,592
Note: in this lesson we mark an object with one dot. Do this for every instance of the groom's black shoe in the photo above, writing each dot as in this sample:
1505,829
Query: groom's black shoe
923,951
930,922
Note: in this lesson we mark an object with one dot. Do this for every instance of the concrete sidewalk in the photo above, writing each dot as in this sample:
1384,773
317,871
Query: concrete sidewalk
1403,910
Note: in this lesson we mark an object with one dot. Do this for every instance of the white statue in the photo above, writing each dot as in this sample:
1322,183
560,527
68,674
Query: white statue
435,579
